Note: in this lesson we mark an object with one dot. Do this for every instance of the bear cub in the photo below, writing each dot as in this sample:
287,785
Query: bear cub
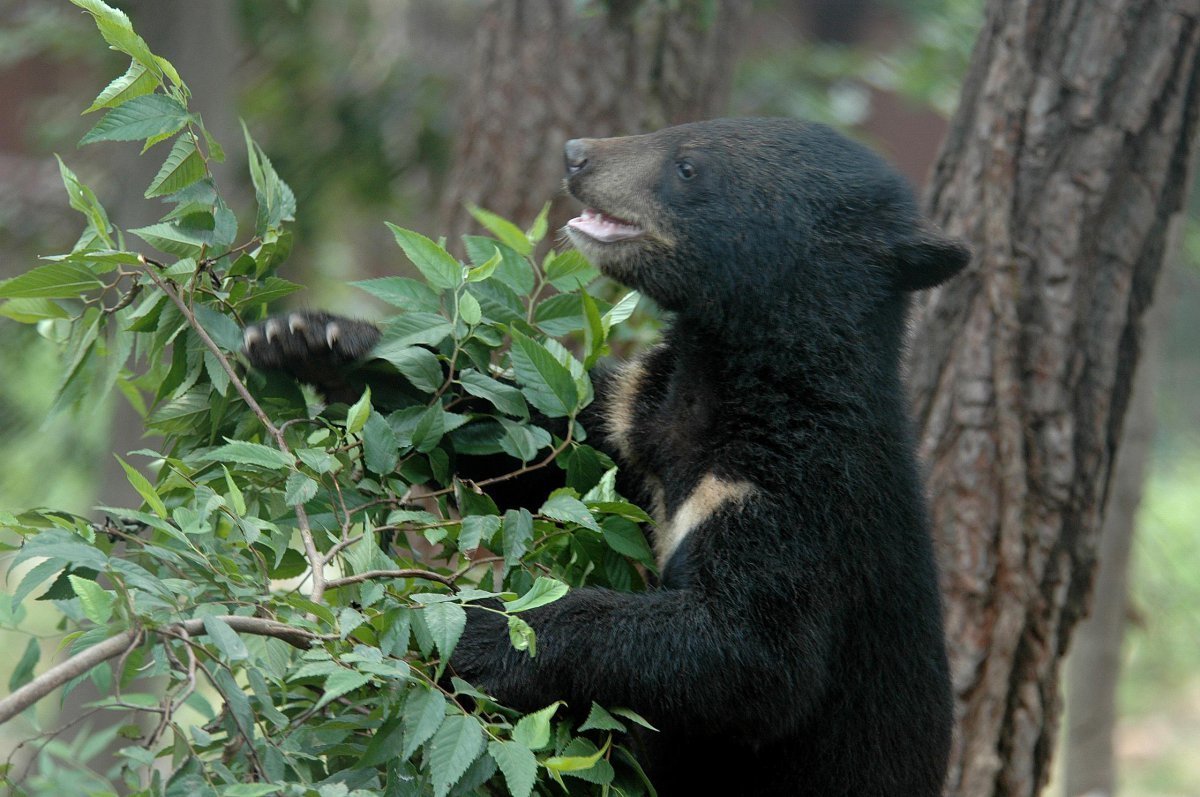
794,645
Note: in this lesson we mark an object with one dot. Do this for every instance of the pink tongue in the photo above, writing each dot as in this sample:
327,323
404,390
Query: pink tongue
603,228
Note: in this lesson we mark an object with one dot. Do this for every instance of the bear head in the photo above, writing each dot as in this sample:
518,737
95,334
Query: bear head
751,212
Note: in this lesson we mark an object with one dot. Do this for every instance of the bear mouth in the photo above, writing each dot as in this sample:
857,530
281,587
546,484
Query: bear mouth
604,228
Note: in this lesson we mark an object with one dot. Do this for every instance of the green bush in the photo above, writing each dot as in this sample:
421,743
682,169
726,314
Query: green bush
282,605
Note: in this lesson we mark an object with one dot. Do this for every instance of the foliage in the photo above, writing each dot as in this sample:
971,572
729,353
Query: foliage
282,605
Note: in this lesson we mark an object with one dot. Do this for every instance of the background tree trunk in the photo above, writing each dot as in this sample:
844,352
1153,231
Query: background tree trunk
1066,164
544,71
1094,665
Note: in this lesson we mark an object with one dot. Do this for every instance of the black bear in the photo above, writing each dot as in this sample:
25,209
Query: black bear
794,645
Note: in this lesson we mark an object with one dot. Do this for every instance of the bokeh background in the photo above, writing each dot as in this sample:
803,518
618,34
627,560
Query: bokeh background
360,105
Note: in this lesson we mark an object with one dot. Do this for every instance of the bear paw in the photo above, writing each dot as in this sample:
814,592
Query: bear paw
295,342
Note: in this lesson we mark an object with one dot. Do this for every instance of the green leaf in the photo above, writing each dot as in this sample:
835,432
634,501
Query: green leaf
141,117
411,329
569,270
518,764
250,454
117,30
537,230
341,682
84,200
251,789
182,167
627,539
469,310
485,269
23,672
144,488
174,238
518,531
533,730
97,602
600,720
549,386
621,310
380,448
579,759
476,529
299,489
276,202
515,271
235,495
226,639
522,635
544,590
418,364
454,747
136,81
508,233
30,311
445,622
359,412
402,292
51,281
506,398
560,315
565,507
424,712
436,264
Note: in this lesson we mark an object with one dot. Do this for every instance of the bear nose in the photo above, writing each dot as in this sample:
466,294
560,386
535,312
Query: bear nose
576,156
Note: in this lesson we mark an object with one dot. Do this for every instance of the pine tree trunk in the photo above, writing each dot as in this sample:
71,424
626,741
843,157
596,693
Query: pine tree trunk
544,71
1066,165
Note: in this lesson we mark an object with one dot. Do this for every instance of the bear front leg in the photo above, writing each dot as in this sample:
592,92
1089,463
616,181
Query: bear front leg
686,662
312,347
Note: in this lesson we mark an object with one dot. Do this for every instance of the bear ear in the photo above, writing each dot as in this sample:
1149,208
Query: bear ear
928,259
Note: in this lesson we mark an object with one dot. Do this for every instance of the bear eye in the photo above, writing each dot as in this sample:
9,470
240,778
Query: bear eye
686,170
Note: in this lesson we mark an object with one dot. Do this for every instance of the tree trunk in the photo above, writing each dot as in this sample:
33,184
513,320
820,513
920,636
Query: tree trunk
1069,159
544,71
1094,665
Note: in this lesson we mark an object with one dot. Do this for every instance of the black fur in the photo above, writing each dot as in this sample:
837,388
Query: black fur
795,644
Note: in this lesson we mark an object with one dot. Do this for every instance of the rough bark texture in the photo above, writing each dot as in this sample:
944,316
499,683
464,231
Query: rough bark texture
544,71
1094,665
1067,162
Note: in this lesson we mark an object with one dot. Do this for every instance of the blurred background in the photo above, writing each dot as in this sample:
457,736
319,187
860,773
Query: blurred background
402,110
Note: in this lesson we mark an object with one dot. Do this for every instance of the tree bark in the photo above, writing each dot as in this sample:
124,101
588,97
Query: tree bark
545,71
1066,164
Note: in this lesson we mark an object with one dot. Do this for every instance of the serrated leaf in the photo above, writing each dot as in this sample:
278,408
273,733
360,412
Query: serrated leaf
517,532
411,329
537,230
518,764
174,238
564,507
117,30
578,758
569,270
506,398
544,590
436,264
250,454
469,310
299,489
136,82
182,167
84,200
51,281
533,730
621,310
509,233
360,411
23,672
419,365
453,748
97,602
144,488
445,622
341,682
600,720
424,711
549,386
276,202
380,448
141,117
226,639
235,494
514,271
475,529
402,292
485,269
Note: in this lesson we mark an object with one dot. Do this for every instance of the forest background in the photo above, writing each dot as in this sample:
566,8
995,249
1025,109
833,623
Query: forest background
362,107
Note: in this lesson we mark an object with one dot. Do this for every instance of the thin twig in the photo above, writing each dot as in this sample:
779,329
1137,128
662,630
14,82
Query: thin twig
371,575
114,646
